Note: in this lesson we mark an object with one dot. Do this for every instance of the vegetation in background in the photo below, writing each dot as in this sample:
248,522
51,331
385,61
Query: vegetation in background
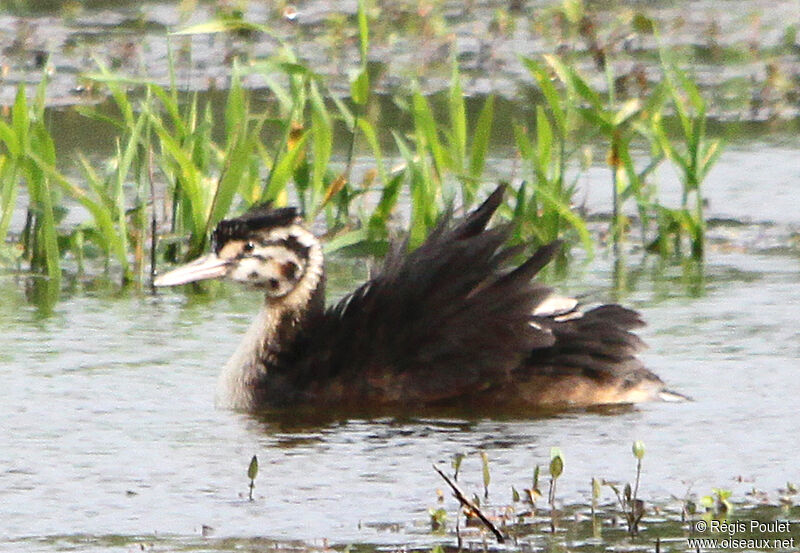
28,157
177,171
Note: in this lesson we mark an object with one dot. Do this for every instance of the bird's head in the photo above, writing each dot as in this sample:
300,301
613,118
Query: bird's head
267,249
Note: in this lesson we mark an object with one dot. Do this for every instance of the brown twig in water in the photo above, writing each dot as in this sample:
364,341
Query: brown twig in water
471,506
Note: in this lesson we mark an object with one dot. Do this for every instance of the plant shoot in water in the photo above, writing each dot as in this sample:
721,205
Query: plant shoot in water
718,504
252,472
556,468
456,464
487,478
534,492
632,507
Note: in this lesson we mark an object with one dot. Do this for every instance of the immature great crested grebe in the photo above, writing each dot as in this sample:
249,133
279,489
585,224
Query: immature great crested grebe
445,325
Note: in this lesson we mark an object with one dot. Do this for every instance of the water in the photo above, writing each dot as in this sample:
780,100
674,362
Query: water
109,439
109,427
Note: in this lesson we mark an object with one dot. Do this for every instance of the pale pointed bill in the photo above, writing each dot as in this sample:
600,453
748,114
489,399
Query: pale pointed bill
202,268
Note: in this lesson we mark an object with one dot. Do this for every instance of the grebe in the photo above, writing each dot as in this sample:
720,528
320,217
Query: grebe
444,325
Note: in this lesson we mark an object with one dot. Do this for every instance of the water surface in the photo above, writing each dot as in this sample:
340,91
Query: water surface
109,426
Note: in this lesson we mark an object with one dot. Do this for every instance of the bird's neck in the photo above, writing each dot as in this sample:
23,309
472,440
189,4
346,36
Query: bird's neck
271,335
282,321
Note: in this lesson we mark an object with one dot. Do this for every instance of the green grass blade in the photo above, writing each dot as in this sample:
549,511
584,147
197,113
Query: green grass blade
188,178
387,203
626,112
570,77
426,129
9,186
346,240
8,136
709,156
236,105
597,119
125,157
372,139
237,157
481,137
550,93
420,196
20,118
359,87
39,186
544,145
282,172
564,210
117,92
106,235
345,114
458,120
321,140
523,142
363,31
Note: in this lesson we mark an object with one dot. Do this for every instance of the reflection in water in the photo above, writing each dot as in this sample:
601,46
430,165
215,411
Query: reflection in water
43,293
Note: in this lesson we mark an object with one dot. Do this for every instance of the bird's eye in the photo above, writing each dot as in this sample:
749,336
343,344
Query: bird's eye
248,247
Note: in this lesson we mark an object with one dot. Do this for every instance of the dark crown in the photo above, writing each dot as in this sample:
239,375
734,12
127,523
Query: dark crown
258,217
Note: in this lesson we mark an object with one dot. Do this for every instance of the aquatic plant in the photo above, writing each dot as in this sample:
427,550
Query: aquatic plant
556,470
718,503
545,211
487,478
438,518
29,156
455,463
252,472
693,160
632,507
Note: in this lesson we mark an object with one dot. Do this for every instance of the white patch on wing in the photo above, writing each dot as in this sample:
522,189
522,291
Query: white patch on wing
554,306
